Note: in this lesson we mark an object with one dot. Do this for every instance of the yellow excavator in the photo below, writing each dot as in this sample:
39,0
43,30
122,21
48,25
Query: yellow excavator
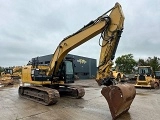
48,83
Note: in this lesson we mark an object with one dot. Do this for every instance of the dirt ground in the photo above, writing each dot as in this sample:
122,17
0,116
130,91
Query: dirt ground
93,106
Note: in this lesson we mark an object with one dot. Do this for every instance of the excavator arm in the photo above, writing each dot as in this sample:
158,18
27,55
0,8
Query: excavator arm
110,27
111,37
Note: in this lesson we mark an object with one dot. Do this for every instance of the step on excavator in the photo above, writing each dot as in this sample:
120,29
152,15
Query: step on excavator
48,83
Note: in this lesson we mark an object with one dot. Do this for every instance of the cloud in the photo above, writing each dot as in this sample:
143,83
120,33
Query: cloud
35,28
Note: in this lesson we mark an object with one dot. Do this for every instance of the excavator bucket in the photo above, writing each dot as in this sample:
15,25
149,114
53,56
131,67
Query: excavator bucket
119,98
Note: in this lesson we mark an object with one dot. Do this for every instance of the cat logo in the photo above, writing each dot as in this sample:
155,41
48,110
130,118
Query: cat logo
81,61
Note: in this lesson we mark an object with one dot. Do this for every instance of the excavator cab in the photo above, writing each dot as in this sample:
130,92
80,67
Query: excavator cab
65,72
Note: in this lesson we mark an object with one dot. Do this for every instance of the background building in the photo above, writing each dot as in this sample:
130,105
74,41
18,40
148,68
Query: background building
85,68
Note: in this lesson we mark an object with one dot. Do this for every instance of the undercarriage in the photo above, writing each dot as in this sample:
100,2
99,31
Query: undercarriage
49,94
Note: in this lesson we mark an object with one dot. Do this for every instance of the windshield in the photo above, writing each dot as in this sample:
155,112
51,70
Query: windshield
144,70
10,71
69,67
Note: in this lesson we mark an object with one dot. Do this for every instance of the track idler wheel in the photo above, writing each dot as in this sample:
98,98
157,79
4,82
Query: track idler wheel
119,98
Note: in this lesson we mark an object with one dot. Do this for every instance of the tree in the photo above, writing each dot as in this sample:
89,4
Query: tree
142,62
153,62
1,70
125,63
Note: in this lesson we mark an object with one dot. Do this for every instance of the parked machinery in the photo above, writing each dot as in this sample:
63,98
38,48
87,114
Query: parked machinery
12,72
119,76
146,78
157,75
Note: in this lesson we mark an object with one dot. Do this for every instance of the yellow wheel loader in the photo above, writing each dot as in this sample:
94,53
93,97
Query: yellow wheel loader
6,78
48,83
146,78
14,73
10,75
119,76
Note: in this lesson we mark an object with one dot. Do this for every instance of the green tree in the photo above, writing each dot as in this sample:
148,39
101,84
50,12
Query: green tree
126,63
153,62
142,62
1,70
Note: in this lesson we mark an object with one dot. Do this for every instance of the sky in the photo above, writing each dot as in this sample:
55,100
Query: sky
32,28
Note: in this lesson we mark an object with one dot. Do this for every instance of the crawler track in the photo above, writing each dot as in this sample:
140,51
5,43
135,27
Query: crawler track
77,92
43,95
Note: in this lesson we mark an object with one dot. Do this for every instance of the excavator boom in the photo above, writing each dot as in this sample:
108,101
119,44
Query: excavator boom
69,43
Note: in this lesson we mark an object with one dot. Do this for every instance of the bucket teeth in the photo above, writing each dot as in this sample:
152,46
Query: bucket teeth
119,98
